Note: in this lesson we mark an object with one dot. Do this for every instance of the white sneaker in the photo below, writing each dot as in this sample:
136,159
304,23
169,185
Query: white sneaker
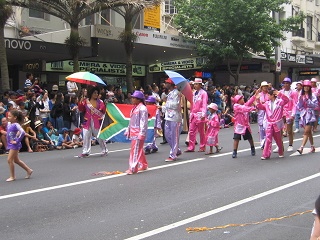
276,150
290,149
297,130
281,156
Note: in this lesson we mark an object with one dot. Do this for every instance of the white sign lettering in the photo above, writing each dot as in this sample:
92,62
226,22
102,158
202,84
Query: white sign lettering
17,44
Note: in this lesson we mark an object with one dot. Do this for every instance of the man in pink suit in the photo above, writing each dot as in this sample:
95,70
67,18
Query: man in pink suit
241,124
315,91
289,110
274,111
198,114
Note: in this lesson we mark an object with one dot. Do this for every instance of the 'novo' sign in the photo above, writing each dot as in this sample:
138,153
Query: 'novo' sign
17,44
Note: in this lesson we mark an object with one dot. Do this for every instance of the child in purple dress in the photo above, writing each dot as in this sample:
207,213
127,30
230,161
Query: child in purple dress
15,134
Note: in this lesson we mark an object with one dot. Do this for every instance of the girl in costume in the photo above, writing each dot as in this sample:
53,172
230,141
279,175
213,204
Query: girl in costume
213,129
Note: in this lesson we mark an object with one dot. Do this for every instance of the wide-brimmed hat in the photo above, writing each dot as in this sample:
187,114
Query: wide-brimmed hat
151,99
306,83
2,110
213,106
169,80
138,94
314,80
237,98
286,79
77,131
38,123
264,83
198,80
26,121
55,88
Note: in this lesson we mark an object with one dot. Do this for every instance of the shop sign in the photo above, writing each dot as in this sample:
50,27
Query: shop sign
309,73
265,67
301,59
291,57
96,67
284,56
35,66
17,44
309,60
152,18
144,37
182,64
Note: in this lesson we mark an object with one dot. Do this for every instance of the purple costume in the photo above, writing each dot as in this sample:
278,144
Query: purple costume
173,117
306,106
12,130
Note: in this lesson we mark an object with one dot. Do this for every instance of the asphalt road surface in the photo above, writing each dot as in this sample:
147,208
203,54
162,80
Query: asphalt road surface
66,199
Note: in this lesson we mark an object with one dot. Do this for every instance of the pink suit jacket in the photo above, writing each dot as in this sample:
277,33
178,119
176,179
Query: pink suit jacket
289,109
275,118
88,116
199,106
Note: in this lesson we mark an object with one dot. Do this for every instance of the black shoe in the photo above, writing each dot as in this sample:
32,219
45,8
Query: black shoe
234,154
253,151
164,142
187,143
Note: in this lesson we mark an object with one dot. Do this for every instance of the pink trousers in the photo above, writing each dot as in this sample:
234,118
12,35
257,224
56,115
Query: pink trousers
137,157
270,132
194,128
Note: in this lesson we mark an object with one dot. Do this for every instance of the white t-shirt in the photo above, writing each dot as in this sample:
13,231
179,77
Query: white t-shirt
76,138
71,86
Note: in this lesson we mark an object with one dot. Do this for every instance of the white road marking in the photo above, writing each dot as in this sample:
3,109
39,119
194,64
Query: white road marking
92,180
220,209
119,150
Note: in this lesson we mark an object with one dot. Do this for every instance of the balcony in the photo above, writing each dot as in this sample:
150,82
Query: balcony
298,36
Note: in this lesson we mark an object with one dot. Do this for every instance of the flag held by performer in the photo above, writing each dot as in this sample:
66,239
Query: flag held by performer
117,120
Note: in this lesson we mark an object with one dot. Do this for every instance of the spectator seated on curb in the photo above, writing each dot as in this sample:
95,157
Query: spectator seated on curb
64,140
29,137
77,138
43,142
52,133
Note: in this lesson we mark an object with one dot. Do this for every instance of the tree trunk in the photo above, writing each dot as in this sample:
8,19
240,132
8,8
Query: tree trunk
74,36
128,44
4,84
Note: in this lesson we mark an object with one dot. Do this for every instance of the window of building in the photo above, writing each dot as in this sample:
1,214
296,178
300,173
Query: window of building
89,20
317,2
38,14
106,17
309,27
169,7
137,23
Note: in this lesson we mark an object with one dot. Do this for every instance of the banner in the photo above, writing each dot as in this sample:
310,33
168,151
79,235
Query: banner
117,120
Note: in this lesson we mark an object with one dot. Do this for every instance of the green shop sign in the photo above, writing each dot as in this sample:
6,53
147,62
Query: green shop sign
96,67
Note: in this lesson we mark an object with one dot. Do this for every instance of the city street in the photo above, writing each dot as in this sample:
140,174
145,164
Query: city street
65,199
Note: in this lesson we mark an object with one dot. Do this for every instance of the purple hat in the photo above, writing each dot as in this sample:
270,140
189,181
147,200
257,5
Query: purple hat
138,94
286,80
151,99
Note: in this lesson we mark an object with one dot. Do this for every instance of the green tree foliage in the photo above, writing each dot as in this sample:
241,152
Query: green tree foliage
5,13
231,29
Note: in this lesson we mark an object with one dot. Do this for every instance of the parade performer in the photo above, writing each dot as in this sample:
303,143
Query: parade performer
15,134
136,132
307,103
213,129
241,124
173,118
274,112
315,90
262,113
289,111
152,147
197,116
94,110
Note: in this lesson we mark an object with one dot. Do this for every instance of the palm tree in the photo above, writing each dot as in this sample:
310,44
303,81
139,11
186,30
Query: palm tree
72,12
130,13
5,13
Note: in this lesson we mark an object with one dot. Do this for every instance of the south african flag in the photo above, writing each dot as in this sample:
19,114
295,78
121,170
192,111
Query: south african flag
117,120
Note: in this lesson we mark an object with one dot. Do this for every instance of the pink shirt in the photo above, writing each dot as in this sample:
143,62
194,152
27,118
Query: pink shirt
289,109
241,116
90,115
